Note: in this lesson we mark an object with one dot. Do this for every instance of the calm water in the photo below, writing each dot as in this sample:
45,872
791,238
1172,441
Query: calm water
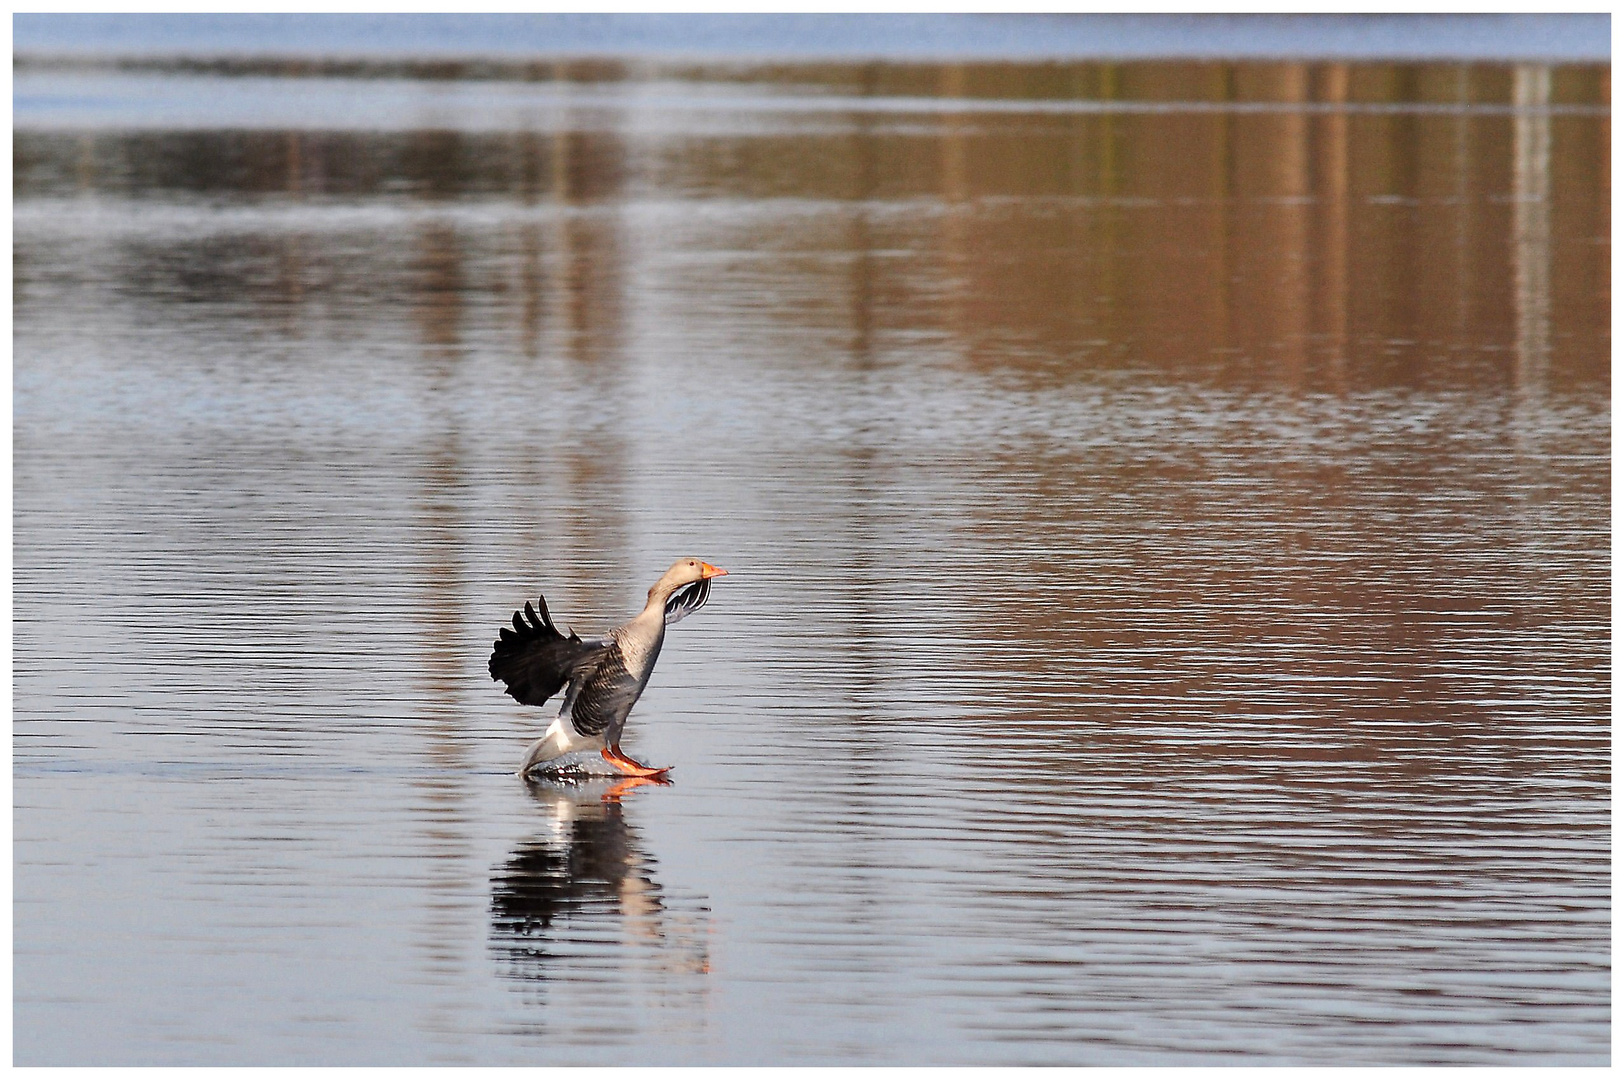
1167,508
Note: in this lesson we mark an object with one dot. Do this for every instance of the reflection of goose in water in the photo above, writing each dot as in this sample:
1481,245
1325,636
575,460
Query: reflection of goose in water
605,676
586,885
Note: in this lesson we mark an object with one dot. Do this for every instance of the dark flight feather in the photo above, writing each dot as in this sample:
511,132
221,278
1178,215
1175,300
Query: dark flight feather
534,660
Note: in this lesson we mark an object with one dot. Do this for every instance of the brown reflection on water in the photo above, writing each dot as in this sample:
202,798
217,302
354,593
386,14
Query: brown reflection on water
438,293
1319,250
1264,271
590,169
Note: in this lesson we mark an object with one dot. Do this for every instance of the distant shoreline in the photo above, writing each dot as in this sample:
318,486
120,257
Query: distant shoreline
1023,38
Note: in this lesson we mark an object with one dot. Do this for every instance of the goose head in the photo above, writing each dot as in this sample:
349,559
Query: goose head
683,572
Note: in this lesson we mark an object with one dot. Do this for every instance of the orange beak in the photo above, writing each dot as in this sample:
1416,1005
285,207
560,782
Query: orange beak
710,571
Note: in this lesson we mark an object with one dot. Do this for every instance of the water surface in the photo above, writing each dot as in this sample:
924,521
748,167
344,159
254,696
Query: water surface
1167,509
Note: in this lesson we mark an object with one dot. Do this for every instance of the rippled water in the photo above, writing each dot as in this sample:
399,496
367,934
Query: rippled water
1167,509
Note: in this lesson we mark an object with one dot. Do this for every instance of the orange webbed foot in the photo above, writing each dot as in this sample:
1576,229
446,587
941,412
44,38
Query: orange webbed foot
613,756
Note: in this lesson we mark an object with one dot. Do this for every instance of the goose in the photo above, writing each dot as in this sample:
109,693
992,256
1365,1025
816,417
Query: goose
602,678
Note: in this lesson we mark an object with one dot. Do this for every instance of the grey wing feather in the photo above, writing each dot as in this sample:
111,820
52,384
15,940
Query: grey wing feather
604,696
684,602
534,660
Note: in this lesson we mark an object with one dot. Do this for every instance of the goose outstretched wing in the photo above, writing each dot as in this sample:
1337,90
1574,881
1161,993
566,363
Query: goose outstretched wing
535,661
